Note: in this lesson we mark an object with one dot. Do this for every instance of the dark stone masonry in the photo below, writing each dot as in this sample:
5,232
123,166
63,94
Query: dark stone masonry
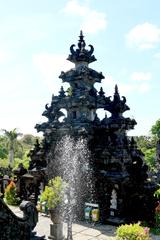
122,187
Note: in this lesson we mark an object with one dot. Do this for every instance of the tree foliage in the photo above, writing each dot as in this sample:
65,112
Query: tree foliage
21,144
155,130
3,149
148,145
12,142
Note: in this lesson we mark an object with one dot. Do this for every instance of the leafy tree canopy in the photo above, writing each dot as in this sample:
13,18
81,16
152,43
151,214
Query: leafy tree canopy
17,144
155,130
148,145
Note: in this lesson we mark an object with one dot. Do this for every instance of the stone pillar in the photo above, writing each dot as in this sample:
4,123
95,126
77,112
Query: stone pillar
56,231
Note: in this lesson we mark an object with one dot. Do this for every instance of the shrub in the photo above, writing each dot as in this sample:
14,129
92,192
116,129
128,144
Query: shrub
10,195
132,232
53,193
157,193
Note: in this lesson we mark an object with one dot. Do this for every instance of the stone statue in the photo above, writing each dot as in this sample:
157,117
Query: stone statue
30,213
113,199
13,227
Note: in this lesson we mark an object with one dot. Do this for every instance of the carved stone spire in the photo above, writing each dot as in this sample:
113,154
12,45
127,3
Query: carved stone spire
81,42
117,106
62,92
116,94
81,54
101,92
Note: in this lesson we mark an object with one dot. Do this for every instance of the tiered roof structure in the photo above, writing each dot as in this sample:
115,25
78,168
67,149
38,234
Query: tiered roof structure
122,188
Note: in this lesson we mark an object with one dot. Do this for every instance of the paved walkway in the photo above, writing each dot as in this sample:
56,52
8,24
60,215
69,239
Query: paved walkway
81,231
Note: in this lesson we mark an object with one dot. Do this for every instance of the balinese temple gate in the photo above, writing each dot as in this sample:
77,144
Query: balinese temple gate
122,188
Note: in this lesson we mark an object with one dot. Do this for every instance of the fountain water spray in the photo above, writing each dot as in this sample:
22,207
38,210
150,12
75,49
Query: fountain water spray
72,163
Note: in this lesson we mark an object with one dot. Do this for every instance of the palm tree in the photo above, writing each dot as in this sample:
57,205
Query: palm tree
12,142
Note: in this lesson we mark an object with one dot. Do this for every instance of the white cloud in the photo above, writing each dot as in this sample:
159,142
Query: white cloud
107,84
5,56
157,55
50,66
92,20
124,88
144,87
143,36
129,87
20,30
73,7
14,80
141,80
141,76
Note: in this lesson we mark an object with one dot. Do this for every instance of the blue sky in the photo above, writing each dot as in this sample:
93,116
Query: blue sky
35,36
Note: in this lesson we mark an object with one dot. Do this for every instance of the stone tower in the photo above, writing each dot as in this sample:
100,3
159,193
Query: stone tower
122,187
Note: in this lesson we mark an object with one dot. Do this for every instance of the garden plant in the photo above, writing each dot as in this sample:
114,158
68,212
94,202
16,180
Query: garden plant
10,195
132,232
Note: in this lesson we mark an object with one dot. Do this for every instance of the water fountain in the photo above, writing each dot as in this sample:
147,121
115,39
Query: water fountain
72,157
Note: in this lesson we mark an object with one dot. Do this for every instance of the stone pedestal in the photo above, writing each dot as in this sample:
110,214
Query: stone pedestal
56,231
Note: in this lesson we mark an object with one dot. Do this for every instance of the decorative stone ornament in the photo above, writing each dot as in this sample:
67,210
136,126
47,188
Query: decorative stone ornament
16,228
